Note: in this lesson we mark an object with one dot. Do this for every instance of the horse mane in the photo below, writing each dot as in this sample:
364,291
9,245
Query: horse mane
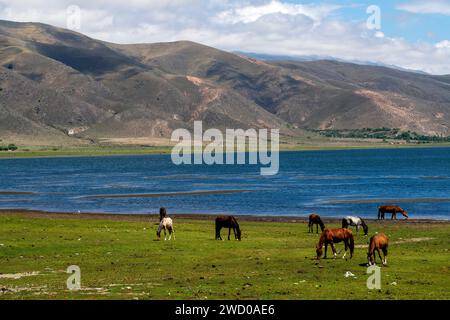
372,245
322,225
322,239
363,223
233,219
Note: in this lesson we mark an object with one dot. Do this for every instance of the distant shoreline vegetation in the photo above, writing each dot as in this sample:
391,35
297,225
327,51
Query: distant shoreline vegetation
9,147
382,134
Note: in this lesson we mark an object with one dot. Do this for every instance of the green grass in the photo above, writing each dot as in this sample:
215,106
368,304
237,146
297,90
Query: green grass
111,150
122,260
83,151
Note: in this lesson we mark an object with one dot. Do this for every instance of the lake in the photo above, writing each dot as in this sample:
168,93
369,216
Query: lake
331,183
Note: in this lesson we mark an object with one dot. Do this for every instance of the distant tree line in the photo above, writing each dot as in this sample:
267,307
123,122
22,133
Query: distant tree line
381,133
9,147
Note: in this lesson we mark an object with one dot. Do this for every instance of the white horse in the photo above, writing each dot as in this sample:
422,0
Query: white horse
166,224
355,222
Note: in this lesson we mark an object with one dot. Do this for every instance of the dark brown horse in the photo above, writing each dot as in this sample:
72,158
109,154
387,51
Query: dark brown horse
162,213
378,242
314,219
229,222
332,236
391,209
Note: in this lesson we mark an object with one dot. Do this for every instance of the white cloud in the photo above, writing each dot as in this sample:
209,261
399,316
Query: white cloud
445,44
379,34
264,26
427,7
252,13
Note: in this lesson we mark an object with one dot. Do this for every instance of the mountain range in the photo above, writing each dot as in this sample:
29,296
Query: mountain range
60,86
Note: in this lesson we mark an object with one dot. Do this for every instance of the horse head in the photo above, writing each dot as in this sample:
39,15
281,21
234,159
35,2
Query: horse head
365,227
322,225
405,214
370,260
319,252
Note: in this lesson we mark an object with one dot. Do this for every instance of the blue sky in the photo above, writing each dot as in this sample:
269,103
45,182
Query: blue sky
396,22
414,34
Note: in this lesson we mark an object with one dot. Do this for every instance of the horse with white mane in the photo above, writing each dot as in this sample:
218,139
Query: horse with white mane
166,224
355,222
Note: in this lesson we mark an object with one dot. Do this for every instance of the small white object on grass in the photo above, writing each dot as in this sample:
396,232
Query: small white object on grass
349,274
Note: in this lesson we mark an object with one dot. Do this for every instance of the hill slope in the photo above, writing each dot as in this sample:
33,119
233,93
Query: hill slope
55,81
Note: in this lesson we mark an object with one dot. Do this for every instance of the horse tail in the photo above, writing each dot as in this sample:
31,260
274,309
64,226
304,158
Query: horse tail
351,245
380,212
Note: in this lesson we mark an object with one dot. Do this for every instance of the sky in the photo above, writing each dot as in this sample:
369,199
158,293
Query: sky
410,34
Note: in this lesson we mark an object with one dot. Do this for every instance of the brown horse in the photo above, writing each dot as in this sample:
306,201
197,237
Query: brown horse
331,236
229,222
162,213
377,242
314,219
391,209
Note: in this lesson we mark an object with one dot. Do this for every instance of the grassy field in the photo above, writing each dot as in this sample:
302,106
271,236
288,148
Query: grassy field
121,259
116,150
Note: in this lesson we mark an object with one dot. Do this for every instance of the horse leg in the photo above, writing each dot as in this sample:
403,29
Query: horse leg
165,238
218,236
379,254
309,227
229,232
385,256
235,233
317,228
326,247
345,247
334,249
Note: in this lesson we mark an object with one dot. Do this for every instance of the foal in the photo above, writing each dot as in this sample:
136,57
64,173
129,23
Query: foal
377,242
229,222
331,236
166,224
315,219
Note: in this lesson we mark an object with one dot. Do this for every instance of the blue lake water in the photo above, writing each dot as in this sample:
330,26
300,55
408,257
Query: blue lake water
331,183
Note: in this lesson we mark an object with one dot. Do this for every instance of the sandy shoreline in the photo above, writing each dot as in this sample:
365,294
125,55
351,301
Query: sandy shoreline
188,216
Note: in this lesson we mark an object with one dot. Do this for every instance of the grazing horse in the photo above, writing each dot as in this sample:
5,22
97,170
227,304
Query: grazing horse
166,224
391,209
355,222
314,219
377,242
230,223
331,236
162,213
